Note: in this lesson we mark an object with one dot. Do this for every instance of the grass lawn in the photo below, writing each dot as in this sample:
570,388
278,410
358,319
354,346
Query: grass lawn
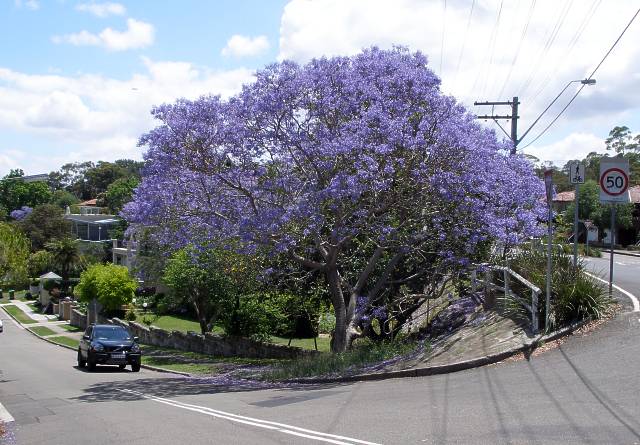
68,327
305,343
18,314
42,330
175,323
65,341
194,363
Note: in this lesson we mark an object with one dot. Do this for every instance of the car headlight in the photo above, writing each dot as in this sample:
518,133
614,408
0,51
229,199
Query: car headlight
135,348
98,347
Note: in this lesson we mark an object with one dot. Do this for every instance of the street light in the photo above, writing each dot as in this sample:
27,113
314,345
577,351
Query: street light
588,81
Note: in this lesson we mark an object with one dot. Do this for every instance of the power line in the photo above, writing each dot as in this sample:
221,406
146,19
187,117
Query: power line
590,76
549,43
444,27
464,42
515,57
574,40
493,32
494,39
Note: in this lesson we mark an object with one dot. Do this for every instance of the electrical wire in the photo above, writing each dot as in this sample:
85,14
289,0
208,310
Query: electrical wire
565,57
493,32
515,57
503,54
444,27
492,43
464,42
549,43
590,76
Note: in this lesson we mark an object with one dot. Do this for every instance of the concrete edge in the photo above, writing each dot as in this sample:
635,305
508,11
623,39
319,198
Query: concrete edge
149,367
452,367
618,252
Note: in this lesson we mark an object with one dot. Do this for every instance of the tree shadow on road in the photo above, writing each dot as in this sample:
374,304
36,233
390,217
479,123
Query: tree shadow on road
133,390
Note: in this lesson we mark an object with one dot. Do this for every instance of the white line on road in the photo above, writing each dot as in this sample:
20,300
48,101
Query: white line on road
634,300
275,426
4,415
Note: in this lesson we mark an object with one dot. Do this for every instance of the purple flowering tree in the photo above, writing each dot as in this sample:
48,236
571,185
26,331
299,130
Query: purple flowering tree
355,167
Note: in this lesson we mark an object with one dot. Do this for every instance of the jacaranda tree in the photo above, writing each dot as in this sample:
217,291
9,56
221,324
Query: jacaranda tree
356,167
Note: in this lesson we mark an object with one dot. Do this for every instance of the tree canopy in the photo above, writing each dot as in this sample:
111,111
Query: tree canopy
356,167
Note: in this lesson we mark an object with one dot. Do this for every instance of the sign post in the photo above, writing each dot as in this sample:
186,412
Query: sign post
576,176
548,184
614,189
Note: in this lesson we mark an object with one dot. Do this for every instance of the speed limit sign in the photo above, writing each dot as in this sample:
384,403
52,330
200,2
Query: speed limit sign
614,180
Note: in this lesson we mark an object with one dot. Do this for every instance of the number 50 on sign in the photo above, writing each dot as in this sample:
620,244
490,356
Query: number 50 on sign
614,180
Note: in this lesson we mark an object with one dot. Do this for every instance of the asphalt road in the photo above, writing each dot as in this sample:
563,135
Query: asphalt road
587,391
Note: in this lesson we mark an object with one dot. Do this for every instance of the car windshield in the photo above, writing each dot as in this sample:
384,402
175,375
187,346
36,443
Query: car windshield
111,334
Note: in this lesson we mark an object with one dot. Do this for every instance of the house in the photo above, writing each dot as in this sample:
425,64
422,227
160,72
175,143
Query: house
92,227
90,207
623,236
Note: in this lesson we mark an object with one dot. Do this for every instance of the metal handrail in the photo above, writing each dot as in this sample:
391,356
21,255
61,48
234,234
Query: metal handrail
507,273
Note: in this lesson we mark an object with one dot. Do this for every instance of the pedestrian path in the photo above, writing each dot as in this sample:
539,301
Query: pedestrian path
49,321
28,310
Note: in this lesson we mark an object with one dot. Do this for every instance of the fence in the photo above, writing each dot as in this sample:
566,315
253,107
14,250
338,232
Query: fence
507,274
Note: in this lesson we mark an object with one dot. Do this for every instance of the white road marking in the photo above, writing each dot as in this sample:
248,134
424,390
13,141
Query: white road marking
275,426
634,300
4,415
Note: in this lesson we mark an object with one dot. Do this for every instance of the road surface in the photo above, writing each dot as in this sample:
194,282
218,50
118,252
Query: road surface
587,391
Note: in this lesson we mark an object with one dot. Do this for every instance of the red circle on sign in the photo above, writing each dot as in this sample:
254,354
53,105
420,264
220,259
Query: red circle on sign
624,175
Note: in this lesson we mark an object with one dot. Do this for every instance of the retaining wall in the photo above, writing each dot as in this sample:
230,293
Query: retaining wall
211,344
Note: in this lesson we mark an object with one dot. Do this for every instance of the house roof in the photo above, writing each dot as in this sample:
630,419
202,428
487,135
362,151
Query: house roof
50,276
89,203
92,219
570,195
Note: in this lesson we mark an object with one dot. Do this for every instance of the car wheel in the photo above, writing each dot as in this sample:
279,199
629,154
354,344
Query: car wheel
81,363
121,367
135,367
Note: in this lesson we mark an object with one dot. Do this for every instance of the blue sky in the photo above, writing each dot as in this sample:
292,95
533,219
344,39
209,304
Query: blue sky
78,78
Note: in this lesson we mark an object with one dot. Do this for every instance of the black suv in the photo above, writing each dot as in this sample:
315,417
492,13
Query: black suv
108,345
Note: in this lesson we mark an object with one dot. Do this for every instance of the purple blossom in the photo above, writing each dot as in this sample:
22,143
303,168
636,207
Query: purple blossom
22,213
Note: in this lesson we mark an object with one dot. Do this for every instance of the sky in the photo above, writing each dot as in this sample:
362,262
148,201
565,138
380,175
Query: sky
78,78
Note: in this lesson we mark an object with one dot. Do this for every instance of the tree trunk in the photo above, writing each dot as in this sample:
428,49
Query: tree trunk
339,341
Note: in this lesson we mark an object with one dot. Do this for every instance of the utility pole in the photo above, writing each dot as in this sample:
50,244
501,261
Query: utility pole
513,118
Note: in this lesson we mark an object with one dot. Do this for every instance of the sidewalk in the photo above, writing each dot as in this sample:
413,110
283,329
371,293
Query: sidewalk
50,322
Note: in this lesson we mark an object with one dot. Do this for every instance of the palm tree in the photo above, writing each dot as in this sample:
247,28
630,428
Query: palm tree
65,254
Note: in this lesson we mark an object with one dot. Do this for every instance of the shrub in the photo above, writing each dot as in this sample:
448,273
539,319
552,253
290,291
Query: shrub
574,294
256,316
130,315
109,283
326,323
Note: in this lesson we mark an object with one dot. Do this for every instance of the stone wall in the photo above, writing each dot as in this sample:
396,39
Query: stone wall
211,344
78,319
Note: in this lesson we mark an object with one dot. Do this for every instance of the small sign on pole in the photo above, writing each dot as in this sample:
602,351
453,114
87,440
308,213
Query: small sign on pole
614,180
576,172
614,189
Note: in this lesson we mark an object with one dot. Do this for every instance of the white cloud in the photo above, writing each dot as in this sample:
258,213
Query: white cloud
102,9
138,35
92,117
242,46
485,62
29,4
574,146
